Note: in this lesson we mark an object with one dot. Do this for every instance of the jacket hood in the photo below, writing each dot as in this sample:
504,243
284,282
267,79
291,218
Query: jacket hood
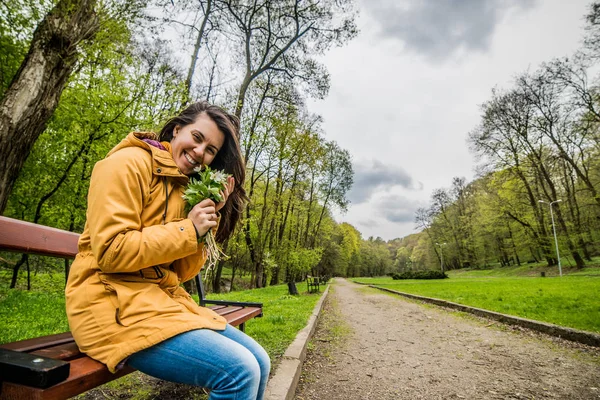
162,160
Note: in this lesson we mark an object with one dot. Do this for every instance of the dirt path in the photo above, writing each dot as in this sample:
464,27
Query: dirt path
370,345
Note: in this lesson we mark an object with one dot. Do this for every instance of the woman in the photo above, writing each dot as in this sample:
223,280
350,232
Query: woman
124,301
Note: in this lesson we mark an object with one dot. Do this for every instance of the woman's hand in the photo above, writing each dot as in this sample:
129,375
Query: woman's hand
225,193
203,216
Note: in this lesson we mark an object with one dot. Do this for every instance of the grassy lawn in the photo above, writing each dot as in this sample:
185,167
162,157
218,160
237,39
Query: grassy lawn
530,270
571,301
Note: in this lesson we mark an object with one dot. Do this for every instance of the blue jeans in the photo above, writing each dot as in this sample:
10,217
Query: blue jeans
229,363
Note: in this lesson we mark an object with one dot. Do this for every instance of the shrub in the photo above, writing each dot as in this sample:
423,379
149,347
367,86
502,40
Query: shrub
420,275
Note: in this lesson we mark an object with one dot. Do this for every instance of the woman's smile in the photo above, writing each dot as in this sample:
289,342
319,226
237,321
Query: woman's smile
190,159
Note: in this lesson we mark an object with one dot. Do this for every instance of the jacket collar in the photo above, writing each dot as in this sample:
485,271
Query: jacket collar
162,160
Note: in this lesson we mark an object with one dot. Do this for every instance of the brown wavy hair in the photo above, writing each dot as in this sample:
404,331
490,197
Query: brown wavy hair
229,158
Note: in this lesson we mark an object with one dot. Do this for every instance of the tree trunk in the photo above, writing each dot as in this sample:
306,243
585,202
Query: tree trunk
35,90
15,275
194,58
28,275
216,283
292,289
233,268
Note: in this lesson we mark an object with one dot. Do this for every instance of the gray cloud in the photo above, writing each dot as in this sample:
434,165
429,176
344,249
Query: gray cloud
439,28
372,176
397,209
371,223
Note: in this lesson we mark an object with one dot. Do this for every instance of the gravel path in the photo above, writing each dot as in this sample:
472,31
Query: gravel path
370,345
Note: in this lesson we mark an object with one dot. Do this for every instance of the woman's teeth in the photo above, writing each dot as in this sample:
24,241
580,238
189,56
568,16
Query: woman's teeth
190,160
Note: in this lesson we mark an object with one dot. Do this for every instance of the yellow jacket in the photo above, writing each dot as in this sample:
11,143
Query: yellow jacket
123,293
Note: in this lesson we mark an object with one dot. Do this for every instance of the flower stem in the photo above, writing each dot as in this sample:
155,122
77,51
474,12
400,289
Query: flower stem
213,253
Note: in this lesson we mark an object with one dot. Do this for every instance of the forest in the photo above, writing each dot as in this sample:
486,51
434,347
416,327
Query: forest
537,143
119,71
122,74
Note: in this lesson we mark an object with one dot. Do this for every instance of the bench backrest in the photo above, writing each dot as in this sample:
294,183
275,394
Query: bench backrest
27,237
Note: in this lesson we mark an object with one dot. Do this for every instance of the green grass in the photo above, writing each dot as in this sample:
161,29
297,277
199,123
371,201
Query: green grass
26,314
571,301
531,270
284,315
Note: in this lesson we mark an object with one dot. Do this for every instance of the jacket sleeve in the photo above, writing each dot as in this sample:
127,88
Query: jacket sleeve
188,267
119,188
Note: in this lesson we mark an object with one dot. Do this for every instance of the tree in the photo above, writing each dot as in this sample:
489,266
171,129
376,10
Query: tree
336,181
35,91
283,36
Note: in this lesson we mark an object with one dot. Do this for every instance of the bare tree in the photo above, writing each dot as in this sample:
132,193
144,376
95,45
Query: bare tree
282,36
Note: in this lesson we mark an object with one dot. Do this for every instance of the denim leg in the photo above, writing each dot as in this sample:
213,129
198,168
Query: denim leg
217,360
264,362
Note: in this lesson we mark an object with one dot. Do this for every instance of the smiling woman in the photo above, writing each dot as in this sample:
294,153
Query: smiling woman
124,301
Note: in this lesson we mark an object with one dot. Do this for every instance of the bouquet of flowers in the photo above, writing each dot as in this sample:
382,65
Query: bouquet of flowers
209,186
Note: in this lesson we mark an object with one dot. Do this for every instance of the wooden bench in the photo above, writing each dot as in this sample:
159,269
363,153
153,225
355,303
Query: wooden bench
312,282
84,373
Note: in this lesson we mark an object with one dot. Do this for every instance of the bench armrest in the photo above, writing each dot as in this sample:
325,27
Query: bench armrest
203,302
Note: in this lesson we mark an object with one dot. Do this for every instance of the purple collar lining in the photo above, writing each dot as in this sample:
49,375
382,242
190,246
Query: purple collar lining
154,143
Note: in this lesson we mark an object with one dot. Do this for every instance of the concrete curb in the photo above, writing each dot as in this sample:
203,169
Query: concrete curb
282,384
574,335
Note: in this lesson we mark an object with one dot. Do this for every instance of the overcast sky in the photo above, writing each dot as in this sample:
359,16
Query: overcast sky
406,92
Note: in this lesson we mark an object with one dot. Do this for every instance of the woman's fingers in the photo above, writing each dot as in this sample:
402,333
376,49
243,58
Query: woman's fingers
229,186
205,203
204,216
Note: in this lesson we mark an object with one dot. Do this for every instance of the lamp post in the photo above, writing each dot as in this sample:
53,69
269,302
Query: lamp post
554,231
441,253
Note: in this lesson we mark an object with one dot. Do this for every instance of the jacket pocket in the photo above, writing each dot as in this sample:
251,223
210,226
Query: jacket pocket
139,300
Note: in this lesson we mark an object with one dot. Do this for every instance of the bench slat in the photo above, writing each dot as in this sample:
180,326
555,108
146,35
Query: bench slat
228,310
65,351
27,237
85,374
29,345
243,315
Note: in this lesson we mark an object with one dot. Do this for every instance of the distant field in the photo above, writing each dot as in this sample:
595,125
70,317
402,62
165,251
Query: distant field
571,301
523,270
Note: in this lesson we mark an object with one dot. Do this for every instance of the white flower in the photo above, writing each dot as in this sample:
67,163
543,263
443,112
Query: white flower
218,176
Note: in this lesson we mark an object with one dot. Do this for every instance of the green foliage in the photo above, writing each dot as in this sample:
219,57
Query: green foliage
303,260
420,275
208,185
18,19
374,258
112,93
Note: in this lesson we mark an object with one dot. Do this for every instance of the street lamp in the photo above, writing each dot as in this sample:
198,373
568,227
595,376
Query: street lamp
441,253
554,230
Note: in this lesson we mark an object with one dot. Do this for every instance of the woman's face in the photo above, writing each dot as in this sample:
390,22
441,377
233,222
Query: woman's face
196,144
